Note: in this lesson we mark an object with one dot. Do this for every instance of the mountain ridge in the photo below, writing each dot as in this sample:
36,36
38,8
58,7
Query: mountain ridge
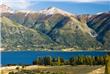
66,30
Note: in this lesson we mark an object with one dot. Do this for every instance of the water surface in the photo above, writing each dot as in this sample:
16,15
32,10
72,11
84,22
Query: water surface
26,57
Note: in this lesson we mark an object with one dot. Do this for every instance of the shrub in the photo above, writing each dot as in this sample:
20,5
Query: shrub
11,72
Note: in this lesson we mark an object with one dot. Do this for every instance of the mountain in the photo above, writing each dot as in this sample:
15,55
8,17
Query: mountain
101,24
54,10
58,29
16,36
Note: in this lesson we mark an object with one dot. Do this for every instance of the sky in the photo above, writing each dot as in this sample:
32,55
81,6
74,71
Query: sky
73,6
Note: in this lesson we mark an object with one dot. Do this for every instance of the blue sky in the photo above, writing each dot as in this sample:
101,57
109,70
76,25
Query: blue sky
73,6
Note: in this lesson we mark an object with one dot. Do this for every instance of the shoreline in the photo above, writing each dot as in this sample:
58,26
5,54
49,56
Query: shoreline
56,51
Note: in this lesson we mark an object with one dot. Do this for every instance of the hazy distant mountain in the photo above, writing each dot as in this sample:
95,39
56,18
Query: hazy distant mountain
57,28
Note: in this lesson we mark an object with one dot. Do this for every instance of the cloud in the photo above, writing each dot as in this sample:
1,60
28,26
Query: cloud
25,4
24,1
17,4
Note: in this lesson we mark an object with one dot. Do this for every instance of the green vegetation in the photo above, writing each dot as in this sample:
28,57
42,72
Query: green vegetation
59,65
107,65
48,61
40,32
77,60
16,36
11,72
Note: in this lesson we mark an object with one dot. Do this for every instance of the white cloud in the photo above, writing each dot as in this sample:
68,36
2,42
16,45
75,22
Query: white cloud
17,4
25,4
24,1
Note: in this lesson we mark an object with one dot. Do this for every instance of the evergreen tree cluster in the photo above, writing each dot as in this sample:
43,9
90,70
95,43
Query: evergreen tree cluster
48,60
75,60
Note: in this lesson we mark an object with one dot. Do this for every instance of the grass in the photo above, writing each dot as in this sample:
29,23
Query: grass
66,69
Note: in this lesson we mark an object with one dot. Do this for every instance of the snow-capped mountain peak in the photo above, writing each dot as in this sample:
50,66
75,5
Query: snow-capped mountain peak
54,10
99,13
107,12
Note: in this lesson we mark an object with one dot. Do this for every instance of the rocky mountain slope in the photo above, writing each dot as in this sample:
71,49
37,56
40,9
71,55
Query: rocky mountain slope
55,28
16,36
101,24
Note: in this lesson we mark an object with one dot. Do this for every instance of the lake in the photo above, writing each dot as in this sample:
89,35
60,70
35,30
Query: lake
26,57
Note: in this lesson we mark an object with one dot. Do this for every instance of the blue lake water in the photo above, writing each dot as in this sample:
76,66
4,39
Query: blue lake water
26,57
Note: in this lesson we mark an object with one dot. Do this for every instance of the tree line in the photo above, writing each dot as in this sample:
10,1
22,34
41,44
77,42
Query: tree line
75,60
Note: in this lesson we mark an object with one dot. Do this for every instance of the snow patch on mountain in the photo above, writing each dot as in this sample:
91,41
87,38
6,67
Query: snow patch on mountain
99,13
54,10
93,33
